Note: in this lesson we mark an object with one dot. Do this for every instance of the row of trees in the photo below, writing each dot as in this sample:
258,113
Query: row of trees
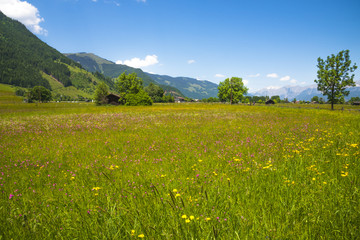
131,91
333,77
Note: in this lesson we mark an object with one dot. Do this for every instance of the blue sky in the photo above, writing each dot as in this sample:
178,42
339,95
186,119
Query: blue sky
267,43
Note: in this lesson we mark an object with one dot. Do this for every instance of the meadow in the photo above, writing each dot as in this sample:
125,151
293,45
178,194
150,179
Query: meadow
178,171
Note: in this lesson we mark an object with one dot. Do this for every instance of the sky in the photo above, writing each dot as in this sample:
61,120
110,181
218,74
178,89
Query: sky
268,43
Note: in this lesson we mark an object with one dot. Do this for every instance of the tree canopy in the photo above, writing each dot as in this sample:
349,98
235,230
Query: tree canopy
102,90
232,90
39,93
131,90
333,76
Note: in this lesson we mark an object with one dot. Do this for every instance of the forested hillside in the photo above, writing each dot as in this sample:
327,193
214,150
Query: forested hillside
23,57
26,61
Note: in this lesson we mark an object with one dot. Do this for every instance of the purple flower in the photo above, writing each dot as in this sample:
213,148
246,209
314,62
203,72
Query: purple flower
11,196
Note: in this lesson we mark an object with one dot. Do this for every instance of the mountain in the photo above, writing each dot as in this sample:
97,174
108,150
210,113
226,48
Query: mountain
26,62
94,63
190,87
304,93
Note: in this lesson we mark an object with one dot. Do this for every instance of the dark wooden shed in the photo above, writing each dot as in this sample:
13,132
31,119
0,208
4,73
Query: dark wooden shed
112,99
270,101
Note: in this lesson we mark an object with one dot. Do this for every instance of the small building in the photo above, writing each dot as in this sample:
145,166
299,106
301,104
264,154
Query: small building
355,103
270,101
112,99
179,99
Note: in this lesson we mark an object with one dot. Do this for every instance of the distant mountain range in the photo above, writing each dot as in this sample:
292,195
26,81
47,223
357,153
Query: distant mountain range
94,63
188,87
304,93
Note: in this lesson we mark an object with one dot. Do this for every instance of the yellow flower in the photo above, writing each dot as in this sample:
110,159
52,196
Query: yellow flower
177,195
200,160
141,236
187,220
207,219
184,216
344,174
314,179
191,217
96,188
175,190
132,232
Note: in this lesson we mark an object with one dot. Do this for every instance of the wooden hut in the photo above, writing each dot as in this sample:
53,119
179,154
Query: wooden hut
113,99
270,101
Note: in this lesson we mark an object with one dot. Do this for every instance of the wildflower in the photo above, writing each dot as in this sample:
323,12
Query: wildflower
132,232
187,220
200,160
175,190
11,196
96,188
344,174
191,217
314,179
141,236
207,219
177,195
184,216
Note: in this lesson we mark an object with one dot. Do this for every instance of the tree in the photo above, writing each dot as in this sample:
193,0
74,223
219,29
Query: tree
40,94
155,92
131,90
333,76
101,92
232,90
315,99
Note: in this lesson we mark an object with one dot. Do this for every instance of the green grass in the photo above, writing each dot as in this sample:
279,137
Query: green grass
7,95
178,171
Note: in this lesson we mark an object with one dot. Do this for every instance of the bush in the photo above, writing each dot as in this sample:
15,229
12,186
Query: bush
140,98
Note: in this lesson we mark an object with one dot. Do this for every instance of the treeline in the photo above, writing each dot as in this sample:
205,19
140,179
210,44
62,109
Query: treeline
23,57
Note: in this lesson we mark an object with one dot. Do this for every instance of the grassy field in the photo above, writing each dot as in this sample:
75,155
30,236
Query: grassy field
178,171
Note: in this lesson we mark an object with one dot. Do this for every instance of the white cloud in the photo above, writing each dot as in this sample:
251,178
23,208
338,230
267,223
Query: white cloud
254,76
293,81
139,63
25,13
272,75
286,78
191,61
219,75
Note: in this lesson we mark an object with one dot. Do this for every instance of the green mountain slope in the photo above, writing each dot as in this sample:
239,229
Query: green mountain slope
190,87
94,63
24,57
26,61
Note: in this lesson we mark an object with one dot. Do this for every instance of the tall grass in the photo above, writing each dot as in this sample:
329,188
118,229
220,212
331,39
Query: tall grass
185,171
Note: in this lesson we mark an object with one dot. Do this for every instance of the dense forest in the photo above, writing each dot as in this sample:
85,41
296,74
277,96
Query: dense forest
23,57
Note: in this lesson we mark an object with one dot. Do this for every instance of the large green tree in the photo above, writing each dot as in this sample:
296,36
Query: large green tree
131,90
40,94
102,90
333,76
155,92
232,90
